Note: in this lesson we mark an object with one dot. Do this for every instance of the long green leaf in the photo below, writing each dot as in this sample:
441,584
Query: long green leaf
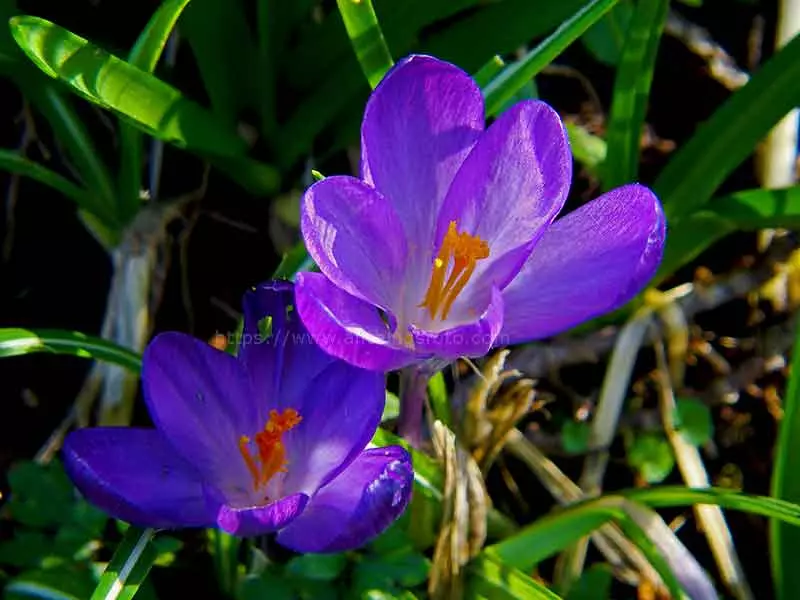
367,39
488,578
156,107
17,342
748,210
731,134
785,540
631,91
519,73
13,162
145,55
128,567
677,496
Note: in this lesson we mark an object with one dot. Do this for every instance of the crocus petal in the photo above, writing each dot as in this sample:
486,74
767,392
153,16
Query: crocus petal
347,327
201,401
282,361
341,409
509,189
356,506
356,238
259,520
588,263
472,339
133,475
419,124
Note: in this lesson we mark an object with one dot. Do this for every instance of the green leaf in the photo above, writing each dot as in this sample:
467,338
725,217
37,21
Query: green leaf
631,92
748,210
785,540
64,582
145,55
13,162
391,408
16,342
651,455
588,149
293,262
678,496
224,550
41,495
489,578
693,420
367,39
594,584
156,107
319,567
27,549
730,135
440,401
517,75
267,585
128,567
488,71
227,56
575,436
606,38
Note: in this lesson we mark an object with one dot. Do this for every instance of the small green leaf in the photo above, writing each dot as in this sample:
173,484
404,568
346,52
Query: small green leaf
575,436
27,549
693,420
588,149
16,342
489,71
391,409
440,401
505,85
367,39
151,104
651,455
267,585
41,495
318,567
488,578
64,582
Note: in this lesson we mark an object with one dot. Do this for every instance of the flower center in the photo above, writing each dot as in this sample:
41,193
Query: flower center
463,251
270,456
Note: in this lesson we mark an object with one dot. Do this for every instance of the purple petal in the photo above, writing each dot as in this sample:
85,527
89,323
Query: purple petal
341,409
473,339
356,238
588,263
282,364
509,189
419,124
258,520
133,475
347,327
201,401
356,506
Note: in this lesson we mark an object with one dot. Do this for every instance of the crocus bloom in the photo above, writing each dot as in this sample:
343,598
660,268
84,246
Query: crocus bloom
447,245
270,440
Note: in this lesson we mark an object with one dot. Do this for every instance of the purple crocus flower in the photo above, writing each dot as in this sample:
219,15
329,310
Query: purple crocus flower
270,440
447,245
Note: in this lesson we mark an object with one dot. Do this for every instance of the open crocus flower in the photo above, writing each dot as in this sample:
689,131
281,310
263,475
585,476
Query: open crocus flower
447,245
270,440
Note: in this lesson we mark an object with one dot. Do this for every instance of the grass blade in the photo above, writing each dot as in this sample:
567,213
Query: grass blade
145,55
518,74
17,342
631,91
111,83
749,210
367,39
128,567
13,162
729,136
785,540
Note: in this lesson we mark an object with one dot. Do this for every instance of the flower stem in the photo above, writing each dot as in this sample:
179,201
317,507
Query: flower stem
413,393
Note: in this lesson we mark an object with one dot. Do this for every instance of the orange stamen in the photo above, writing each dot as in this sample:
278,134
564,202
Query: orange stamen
465,251
271,455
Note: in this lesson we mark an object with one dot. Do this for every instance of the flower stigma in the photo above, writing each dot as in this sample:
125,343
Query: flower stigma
464,250
270,458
